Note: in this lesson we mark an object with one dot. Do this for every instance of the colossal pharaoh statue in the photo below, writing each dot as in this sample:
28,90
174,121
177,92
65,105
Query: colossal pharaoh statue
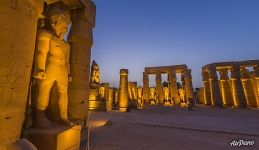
52,64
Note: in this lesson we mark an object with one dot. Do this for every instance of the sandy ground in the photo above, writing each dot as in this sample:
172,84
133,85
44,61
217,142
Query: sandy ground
169,128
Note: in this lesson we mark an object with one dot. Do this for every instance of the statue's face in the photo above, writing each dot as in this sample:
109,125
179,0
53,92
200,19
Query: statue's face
60,23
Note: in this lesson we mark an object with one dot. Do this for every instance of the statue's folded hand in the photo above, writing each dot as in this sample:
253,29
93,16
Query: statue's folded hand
40,75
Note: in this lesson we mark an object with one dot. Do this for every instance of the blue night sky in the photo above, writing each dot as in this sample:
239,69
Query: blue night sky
134,34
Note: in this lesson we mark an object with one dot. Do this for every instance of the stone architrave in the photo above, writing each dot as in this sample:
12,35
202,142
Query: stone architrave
225,88
18,27
145,88
238,91
81,40
214,87
123,90
207,91
159,90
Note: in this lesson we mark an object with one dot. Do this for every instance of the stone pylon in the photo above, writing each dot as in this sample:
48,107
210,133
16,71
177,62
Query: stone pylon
18,27
123,90
81,40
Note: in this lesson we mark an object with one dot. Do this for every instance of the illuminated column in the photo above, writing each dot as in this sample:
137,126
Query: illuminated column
173,87
159,90
237,88
106,95
123,90
81,40
145,88
111,97
225,88
256,84
207,91
188,84
116,97
214,88
18,27
248,88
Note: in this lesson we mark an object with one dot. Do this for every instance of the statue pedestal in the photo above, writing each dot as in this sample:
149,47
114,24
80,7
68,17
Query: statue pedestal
54,138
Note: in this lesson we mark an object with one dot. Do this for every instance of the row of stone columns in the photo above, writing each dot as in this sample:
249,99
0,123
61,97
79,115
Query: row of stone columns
240,90
187,78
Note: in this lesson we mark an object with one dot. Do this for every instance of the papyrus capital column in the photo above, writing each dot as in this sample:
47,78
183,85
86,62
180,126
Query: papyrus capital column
225,87
188,84
18,27
159,90
123,90
145,87
173,87
248,87
214,87
238,91
207,91
81,40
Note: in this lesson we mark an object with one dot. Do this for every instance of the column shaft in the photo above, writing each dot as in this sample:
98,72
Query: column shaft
173,88
237,88
159,90
145,88
188,84
18,27
216,99
81,40
123,90
225,88
207,91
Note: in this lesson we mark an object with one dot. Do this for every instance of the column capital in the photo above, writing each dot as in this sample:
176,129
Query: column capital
124,72
205,76
213,74
223,74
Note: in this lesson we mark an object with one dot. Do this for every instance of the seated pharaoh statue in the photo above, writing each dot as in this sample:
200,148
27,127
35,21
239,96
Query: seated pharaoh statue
52,64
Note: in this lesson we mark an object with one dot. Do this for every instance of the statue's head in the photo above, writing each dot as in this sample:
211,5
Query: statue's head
58,18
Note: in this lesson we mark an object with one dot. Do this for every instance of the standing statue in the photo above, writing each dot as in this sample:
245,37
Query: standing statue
166,93
95,74
182,95
152,95
52,64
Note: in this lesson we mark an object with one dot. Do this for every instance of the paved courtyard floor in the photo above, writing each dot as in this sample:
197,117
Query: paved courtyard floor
174,128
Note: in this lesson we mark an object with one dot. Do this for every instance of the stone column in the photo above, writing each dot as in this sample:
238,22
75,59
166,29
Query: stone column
159,90
145,88
111,98
116,97
188,84
225,88
173,87
256,83
207,91
238,91
106,95
123,90
214,87
18,27
81,40
248,88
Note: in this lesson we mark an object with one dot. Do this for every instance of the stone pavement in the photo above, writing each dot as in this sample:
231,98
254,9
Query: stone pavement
168,128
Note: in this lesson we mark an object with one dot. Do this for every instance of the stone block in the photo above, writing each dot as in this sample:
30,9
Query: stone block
54,138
